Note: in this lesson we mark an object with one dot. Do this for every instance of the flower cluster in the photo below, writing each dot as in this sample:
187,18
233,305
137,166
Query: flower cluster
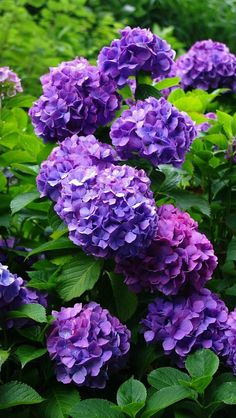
77,151
137,50
155,130
14,294
86,342
203,127
186,324
10,83
179,256
207,65
76,99
110,212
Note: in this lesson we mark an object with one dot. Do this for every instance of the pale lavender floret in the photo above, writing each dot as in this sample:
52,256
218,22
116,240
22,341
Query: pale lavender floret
10,83
86,343
207,65
76,99
77,151
110,212
185,324
179,257
153,129
204,126
137,50
14,294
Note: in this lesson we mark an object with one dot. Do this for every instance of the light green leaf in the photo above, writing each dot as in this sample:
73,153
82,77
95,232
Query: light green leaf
95,408
4,354
59,244
131,396
166,376
78,276
202,365
167,83
33,311
17,393
27,353
22,200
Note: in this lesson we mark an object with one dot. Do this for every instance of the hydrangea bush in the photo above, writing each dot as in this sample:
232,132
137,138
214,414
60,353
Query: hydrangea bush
117,224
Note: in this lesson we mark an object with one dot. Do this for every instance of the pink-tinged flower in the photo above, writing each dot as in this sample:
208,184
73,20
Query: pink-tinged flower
10,83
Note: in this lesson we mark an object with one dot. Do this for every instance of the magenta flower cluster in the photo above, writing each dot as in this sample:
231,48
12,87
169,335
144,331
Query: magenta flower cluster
185,324
110,212
207,65
14,294
178,257
86,342
10,83
77,151
137,50
77,98
155,130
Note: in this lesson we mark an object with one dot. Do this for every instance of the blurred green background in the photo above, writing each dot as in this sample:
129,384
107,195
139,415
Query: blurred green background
36,34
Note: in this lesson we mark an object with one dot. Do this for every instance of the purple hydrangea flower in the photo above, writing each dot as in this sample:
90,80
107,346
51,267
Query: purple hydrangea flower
77,151
179,256
155,130
86,342
137,50
203,127
110,212
207,65
231,341
10,83
185,324
14,294
76,99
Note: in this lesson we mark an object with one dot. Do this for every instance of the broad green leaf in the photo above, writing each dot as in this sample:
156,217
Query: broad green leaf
60,400
166,397
4,354
33,311
33,333
166,376
186,200
202,364
190,104
21,101
126,301
27,353
175,95
218,139
131,396
231,250
226,121
226,393
78,276
143,91
3,181
22,200
17,393
95,408
16,156
59,244
167,83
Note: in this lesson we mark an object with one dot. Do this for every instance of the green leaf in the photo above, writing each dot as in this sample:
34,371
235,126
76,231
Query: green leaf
59,402
95,408
166,397
33,311
186,200
231,250
4,354
143,91
175,95
126,301
190,104
78,276
21,101
202,365
17,393
225,393
166,376
59,244
167,83
131,396
32,333
226,121
27,353
22,200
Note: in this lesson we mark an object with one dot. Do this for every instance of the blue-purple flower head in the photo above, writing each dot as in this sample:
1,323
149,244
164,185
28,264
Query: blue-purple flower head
86,343
76,99
178,257
14,294
77,151
231,341
185,324
155,130
109,212
207,65
137,50
10,83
